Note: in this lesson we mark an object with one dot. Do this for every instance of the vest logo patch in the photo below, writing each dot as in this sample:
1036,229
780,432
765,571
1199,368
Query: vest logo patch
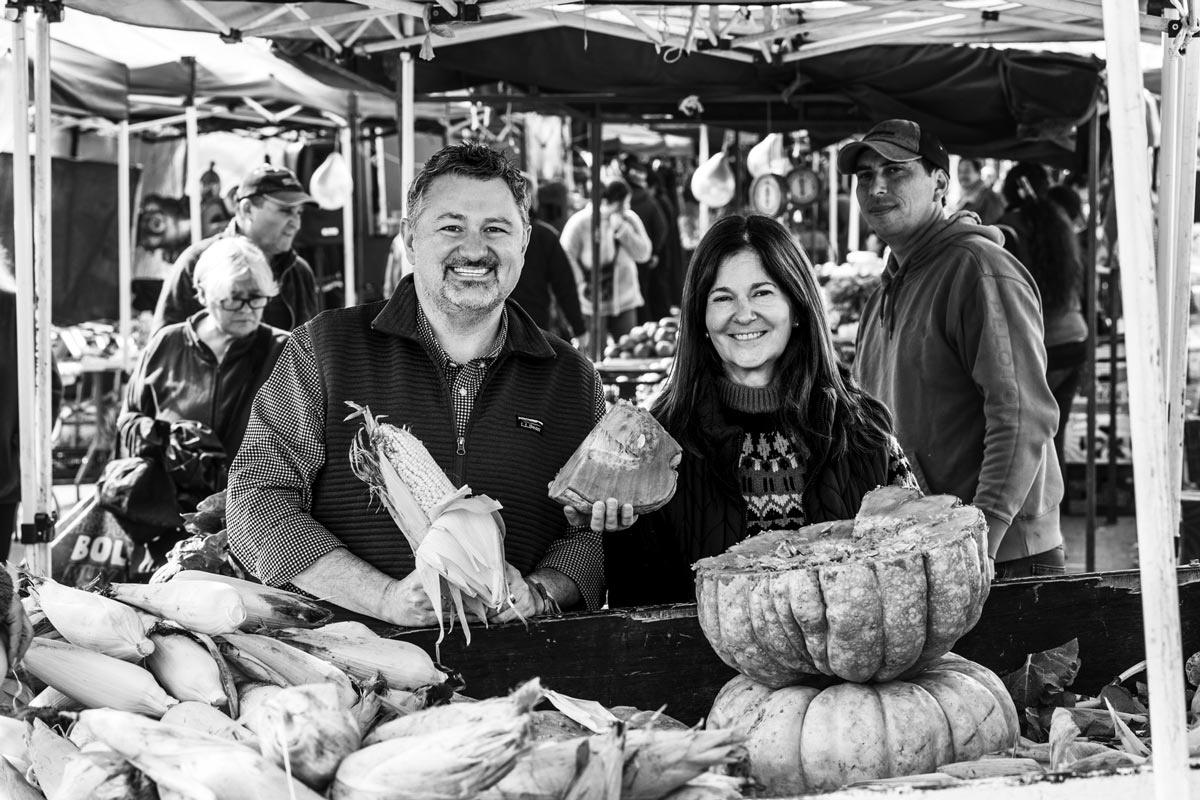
529,424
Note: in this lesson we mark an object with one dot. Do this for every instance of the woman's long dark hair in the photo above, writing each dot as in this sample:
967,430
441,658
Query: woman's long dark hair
1052,251
822,406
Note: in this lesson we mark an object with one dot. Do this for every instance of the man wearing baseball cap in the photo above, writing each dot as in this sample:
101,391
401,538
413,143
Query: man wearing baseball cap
270,201
951,342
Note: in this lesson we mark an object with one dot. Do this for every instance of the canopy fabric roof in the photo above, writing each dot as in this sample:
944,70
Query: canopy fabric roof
763,68
81,82
248,72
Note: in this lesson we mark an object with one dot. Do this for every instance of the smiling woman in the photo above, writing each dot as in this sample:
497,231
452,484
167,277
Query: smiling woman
775,433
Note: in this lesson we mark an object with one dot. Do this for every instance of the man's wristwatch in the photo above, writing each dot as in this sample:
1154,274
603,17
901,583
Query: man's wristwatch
549,604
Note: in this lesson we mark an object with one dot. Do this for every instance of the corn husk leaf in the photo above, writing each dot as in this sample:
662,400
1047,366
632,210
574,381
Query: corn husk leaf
588,713
306,730
452,764
493,711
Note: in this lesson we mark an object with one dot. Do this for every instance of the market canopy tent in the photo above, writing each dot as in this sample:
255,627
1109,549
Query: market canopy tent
82,83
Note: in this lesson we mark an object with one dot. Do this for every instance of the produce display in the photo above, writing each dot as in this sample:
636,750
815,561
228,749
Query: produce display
648,340
807,739
263,711
874,598
628,455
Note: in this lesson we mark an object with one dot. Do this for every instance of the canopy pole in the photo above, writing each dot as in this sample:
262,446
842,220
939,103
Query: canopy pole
834,255
407,113
192,180
1160,591
1168,190
1090,307
380,177
702,216
1183,198
124,246
853,234
348,271
38,554
599,324
33,394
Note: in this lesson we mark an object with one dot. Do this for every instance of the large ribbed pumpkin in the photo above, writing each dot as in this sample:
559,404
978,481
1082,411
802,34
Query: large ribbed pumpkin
803,739
874,598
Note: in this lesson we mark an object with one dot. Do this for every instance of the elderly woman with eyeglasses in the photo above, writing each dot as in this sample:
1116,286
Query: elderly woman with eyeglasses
203,373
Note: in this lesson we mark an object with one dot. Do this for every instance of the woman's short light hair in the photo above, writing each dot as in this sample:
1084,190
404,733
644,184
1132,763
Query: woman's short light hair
229,260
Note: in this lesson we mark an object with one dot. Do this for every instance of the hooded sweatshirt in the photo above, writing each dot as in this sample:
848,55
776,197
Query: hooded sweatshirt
951,342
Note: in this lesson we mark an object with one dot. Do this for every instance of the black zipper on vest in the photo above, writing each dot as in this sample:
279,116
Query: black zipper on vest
462,446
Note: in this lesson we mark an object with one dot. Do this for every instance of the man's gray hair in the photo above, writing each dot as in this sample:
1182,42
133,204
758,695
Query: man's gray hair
472,161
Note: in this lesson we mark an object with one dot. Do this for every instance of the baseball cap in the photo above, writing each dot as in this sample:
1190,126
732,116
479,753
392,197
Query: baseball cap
278,183
896,140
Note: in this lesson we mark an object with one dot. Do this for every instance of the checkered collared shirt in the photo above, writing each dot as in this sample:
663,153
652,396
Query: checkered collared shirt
464,380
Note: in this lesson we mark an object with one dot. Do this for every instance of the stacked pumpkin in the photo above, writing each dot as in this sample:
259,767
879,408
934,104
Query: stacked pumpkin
841,632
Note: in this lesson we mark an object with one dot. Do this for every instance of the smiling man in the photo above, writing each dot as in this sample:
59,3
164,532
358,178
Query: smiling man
270,202
499,404
951,342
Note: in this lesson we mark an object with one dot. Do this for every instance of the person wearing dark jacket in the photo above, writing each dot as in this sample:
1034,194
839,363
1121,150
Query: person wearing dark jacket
10,422
653,280
547,271
270,201
775,433
206,369
951,341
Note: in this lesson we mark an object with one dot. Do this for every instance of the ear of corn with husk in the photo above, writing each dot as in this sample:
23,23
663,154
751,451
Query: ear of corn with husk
193,763
304,729
49,753
494,710
267,606
187,668
457,540
452,764
96,680
581,768
213,721
102,774
272,661
201,606
93,621
363,654
13,785
658,761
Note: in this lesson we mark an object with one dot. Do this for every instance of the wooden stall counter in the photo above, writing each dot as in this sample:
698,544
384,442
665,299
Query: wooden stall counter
655,656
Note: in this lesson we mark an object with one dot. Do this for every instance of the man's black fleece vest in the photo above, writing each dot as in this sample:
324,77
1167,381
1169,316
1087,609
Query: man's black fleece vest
535,407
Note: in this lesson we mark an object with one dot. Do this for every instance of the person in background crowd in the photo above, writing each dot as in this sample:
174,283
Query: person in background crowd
1045,241
775,432
206,369
664,185
977,196
270,201
951,342
547,272
651,280
10,412
474,379
623,244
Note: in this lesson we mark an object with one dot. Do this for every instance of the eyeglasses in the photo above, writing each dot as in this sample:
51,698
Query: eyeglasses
255,301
